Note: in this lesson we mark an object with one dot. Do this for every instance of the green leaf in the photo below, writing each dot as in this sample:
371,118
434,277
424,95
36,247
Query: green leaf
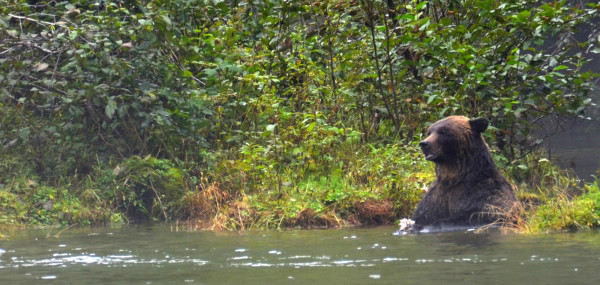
110,108
561,67
446,21
166,19
432,98
407,17
210,72
524,15
311,127
24,133
271,127
424,24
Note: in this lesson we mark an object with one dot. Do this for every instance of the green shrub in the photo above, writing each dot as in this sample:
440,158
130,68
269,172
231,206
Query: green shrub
569,213
145,188
12,210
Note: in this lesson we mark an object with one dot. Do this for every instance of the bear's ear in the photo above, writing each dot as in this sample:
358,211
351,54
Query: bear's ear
479,125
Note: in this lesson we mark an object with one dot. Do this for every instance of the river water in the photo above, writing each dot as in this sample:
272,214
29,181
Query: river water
151,254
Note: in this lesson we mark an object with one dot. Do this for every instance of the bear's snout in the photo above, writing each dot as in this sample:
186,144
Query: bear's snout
426,149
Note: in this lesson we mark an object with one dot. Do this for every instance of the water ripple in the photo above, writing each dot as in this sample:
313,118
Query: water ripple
273,258
64,259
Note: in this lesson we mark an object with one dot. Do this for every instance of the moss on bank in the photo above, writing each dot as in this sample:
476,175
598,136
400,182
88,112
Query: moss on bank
552,199
566,212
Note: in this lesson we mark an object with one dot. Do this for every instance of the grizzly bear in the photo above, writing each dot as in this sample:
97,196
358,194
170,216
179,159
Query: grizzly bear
468,189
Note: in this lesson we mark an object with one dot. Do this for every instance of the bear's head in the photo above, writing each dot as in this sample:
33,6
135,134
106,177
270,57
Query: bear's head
451,139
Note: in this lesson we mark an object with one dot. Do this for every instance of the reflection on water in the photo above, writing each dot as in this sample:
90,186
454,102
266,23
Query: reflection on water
158,255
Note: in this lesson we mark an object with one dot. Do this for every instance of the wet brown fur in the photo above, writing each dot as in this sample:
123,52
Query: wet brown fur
467,183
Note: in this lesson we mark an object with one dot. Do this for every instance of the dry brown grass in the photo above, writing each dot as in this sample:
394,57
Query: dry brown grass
311,219
510,219
372,212
204,207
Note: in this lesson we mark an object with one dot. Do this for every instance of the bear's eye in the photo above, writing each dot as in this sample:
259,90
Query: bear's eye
442,131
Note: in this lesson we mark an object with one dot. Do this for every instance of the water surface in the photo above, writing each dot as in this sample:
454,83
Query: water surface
146,254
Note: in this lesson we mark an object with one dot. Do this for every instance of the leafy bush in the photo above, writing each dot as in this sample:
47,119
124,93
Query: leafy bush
12,211
254,95
146,188
26,202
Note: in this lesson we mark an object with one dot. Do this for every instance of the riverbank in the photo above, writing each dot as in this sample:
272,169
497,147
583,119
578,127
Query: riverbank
378,187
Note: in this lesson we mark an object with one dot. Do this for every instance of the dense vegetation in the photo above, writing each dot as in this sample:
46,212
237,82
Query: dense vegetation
267,114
